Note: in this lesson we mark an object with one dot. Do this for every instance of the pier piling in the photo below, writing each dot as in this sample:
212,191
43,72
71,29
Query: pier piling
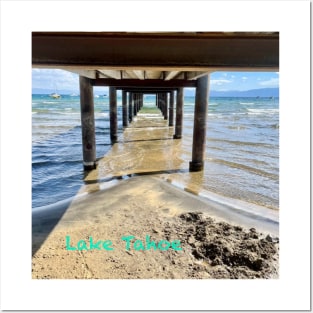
124,106
130,107
113,114
171,109
179,113
200,120
88,123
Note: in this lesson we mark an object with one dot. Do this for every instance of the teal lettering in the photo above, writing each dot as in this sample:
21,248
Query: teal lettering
107,245
81,245
127,239
167,245
68,246
176,245
150,243
138,245
94,245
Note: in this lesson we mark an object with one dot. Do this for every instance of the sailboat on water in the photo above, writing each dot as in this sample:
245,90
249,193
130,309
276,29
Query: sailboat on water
55,95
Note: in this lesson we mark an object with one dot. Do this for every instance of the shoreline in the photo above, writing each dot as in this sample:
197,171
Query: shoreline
142,206
229,209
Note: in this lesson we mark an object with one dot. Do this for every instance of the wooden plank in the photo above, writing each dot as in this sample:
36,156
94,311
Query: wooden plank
171,75
149,83
194,50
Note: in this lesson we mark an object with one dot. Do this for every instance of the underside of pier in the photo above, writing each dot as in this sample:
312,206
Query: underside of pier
154,63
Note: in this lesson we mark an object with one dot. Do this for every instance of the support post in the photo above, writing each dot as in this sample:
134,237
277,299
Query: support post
199,128
171,109
141,101
113,114
135,103
179,113
165,106
88,123
130,107
124,106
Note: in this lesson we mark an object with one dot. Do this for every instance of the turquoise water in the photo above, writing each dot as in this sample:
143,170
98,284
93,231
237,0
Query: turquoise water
242,151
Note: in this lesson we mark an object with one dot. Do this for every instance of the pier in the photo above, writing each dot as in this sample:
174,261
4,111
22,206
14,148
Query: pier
110,205
152,63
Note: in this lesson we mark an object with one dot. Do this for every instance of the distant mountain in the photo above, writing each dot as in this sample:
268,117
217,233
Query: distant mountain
42,91
262,93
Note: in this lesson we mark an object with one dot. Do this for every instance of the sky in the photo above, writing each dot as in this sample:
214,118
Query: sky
56,79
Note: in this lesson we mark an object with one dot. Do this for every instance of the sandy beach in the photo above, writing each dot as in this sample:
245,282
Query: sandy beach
132,220
141,206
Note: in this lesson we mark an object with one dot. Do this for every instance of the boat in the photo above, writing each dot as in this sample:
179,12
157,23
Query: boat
55,95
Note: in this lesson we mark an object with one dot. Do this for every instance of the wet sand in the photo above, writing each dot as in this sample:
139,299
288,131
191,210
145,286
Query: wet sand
216,241
211,247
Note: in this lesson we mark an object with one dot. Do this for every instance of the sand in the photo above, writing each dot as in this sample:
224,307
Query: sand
134,192
213,247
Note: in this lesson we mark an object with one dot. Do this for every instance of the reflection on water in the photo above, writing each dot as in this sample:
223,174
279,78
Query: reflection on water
147,147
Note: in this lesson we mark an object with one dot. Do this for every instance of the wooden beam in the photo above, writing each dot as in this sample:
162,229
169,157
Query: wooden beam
147,90
149,83
110,74
171,75
168,50
195,75
139,74
153,74
85,73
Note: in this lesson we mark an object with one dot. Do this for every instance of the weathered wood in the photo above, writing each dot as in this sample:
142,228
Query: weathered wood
113,114
88,123
130,107
166,50
147,83
171,110
200,121
124,108
165,97
179,113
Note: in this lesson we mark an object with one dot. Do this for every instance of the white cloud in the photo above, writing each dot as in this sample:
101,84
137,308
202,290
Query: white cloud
273,82
220,82
244,78
54,79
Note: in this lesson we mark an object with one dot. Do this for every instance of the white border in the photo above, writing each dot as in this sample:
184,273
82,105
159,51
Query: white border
290,18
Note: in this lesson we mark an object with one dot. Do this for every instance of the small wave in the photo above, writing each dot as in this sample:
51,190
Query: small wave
246,103
240,143
262,111
238,127
246,167
102,114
